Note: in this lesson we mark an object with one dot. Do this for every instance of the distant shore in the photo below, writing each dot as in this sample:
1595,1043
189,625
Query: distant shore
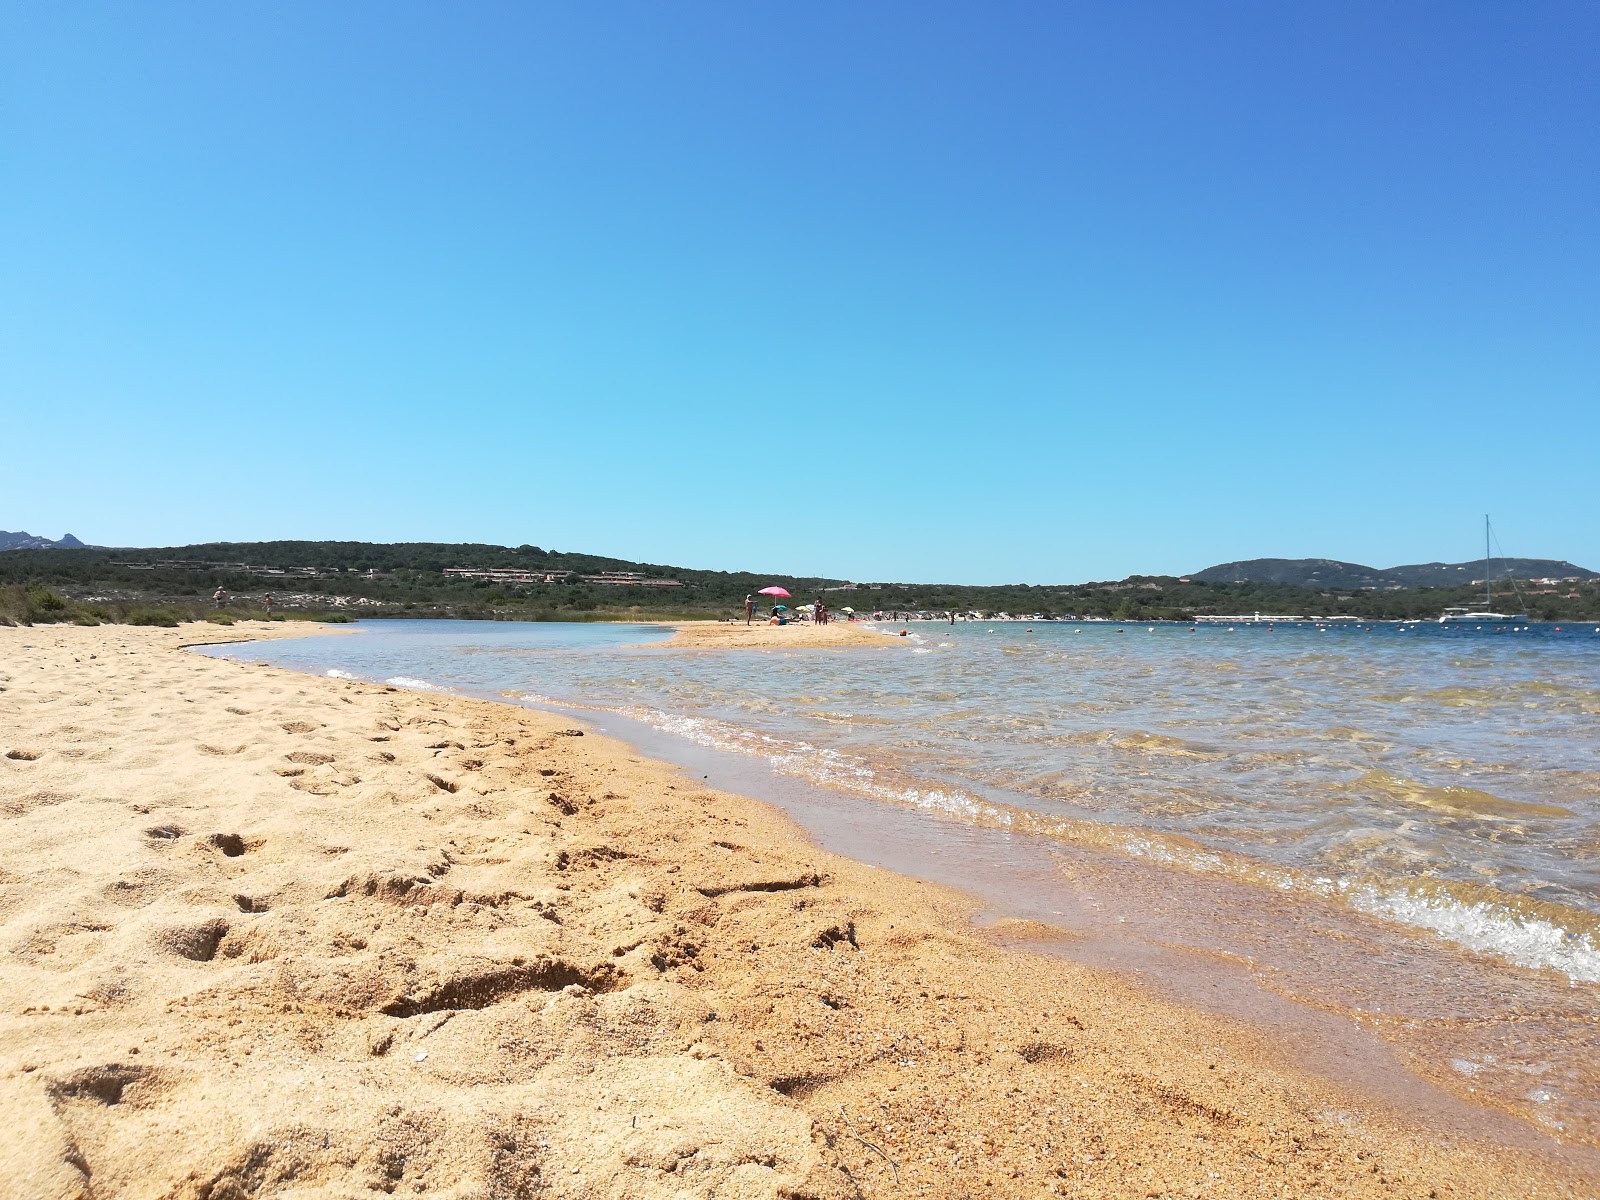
269,930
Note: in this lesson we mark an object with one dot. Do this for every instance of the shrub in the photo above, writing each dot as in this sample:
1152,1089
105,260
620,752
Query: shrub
44,601
219,618
14,607
153,616
21,605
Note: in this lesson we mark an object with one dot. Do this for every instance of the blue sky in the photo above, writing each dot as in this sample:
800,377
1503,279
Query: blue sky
933,291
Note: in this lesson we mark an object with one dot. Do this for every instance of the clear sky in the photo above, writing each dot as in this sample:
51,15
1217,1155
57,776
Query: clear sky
939,291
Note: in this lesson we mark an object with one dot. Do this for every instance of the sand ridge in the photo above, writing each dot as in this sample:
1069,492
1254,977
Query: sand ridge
270,935
734,635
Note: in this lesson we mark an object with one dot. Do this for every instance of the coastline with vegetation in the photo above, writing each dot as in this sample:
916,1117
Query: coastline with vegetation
348,580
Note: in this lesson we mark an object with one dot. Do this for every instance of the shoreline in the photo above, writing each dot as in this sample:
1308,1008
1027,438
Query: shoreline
640,984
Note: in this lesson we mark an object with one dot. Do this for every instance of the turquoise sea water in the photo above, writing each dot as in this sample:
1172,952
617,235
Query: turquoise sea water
1439,783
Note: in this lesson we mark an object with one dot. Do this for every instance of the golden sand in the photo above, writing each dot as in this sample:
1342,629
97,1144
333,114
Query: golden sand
271,935
737,635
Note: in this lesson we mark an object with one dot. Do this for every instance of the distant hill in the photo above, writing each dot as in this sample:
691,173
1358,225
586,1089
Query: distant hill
527,583
29,541
1331,573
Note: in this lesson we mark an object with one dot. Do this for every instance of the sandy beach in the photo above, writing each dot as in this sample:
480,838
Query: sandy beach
795,636
275,935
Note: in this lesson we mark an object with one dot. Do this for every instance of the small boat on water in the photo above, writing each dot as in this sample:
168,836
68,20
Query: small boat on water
1463,614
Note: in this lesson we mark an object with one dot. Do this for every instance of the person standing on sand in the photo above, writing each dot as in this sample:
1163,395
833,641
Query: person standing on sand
219,597
269,606
749,608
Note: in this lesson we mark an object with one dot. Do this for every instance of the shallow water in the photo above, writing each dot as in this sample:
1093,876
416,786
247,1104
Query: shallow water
1400,824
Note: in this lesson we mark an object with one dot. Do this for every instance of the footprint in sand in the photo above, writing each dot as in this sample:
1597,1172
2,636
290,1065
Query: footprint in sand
197,943
111,1084
230,844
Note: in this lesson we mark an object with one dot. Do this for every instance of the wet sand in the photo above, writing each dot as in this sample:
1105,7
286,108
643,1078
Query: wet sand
270,934
726,635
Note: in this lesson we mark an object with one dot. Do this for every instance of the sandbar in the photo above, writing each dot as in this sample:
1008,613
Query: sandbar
718,635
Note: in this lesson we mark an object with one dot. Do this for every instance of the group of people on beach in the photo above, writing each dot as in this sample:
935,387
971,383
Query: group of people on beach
776,615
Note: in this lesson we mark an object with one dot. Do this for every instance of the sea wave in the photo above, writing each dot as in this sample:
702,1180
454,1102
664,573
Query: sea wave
416,685
1488,928
1551,938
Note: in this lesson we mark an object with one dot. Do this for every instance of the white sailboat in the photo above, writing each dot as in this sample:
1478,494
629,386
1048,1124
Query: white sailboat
1461,614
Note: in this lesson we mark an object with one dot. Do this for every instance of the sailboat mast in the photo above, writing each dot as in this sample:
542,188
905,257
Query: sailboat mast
1488,573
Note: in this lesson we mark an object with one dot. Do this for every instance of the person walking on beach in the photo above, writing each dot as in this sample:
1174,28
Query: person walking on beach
269,606
219,597
749,608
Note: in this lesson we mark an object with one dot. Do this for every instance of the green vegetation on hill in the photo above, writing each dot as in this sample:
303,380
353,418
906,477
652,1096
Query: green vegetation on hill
358,579
36,604
1330,573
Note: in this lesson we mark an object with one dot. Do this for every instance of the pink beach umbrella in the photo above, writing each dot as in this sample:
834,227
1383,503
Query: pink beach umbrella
773,591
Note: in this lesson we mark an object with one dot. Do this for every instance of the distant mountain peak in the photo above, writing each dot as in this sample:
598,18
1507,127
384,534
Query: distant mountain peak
28,541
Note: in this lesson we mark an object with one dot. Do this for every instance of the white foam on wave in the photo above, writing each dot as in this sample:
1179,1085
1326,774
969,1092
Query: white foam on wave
536,698
416,685
335,673
1481,927
791,756
1488,929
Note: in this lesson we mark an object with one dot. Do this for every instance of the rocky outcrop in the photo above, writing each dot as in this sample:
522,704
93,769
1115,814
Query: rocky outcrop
28,541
